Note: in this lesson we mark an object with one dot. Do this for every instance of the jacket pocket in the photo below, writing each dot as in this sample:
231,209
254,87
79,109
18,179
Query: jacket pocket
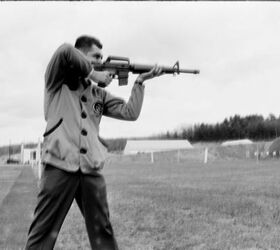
51,130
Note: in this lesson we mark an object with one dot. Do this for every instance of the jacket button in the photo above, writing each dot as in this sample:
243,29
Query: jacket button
84,132
83,98
84,115
83,151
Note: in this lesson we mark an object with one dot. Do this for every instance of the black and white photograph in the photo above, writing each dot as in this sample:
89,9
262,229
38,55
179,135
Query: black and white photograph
139,125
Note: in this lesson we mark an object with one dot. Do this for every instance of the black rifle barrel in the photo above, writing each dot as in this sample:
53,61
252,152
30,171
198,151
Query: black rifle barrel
190,71
141,68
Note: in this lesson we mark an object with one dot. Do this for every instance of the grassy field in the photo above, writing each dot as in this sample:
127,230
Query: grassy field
221,205
16,209
8,176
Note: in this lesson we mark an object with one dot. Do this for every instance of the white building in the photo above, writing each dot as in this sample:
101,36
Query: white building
31,156
237,142
148,146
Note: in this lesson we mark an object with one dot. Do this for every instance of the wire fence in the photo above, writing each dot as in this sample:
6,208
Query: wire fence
256,151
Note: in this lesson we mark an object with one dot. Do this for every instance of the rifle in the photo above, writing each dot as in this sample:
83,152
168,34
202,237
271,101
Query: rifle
119,67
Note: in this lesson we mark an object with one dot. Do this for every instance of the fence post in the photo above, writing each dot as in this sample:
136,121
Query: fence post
152,157
205,155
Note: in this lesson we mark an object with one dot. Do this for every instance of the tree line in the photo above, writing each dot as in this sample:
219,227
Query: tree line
254,127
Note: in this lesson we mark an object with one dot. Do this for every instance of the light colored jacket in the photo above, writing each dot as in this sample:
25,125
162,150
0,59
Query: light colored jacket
73,109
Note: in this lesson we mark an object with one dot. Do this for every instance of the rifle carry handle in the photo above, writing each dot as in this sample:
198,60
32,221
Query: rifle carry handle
117,58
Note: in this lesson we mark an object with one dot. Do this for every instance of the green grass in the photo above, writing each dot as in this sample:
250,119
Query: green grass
166,206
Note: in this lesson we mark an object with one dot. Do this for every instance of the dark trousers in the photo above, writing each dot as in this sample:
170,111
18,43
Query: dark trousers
58,189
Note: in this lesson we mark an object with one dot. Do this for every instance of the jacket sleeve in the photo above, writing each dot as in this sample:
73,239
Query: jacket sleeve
67,65
116,107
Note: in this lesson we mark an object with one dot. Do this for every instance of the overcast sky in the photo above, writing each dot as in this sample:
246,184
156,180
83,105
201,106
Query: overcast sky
234,44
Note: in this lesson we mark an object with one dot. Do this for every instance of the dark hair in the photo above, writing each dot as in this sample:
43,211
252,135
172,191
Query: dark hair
85,42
